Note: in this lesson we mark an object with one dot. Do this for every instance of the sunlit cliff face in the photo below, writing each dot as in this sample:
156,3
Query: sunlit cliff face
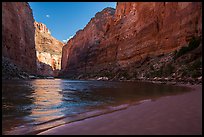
48,51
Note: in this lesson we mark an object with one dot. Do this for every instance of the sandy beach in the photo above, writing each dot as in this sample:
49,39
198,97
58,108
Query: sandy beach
170,115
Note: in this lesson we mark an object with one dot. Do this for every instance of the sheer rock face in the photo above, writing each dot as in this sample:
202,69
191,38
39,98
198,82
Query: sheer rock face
18,34
134,31
81,50
48,50
155,28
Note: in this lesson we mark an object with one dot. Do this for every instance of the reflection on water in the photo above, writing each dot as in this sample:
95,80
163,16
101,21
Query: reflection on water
33,105
45,97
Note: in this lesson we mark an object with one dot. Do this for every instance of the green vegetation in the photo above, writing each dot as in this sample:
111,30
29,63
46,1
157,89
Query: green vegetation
193,69
164,70
156,73
168,69
196,64
151,67
106,74
124,74
193,44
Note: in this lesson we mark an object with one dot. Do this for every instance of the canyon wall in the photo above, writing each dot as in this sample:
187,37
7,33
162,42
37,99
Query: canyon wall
121,39
18,32
81,51
48,51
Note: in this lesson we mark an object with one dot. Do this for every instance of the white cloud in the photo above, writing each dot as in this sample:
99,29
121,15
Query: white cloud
65,41
70,37
47,16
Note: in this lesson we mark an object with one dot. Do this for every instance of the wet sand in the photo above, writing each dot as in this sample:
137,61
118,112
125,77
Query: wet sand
171,115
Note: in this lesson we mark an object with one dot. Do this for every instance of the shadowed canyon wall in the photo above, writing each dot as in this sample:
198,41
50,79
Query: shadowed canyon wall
48,50
82,50
18,33
118,39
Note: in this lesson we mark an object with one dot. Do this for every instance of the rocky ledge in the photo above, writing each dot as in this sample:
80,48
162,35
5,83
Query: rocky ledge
183,65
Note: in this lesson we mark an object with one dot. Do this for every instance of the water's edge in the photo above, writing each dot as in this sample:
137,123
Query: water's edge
85,115
113,109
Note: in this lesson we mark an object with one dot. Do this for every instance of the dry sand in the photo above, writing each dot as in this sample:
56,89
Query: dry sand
171,115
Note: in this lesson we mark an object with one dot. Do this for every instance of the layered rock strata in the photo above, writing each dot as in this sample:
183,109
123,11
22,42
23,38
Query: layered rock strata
82,50
48,51
18,33
120,39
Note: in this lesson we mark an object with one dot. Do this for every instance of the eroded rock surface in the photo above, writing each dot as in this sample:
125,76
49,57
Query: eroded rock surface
18,33
48,51
119,39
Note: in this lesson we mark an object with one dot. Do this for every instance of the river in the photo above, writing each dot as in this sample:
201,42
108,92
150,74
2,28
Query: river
32,106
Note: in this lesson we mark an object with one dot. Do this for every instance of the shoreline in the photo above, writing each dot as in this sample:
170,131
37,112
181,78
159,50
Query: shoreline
158,80
113,122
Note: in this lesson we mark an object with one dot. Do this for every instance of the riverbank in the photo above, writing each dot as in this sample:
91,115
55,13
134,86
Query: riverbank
180,114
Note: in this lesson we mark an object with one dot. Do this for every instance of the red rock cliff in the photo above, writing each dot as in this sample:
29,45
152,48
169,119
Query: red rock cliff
18,35
151,29
79,51
48,50
135,31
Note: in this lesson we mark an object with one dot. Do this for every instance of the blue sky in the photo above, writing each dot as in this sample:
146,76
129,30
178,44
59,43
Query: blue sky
64,19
